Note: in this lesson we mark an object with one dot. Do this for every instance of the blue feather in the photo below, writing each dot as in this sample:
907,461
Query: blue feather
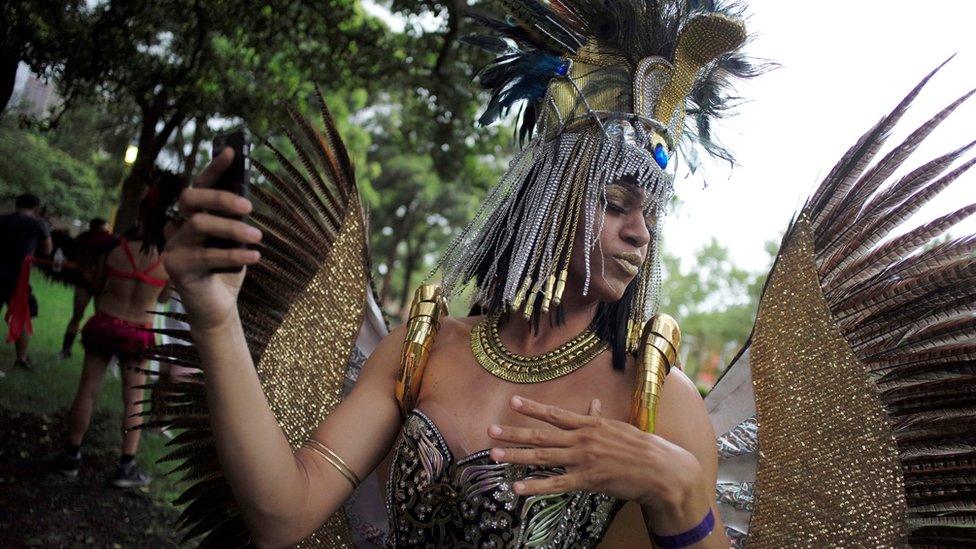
522,76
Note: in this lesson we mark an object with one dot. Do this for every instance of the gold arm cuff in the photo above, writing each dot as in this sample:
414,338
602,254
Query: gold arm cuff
425,313
334,460
659,350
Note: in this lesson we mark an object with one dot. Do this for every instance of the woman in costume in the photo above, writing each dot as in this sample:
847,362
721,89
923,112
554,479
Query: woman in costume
856,382
129,282
514,424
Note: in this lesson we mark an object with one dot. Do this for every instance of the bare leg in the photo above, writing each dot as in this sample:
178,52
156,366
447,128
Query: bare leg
131,378
22,346
81,299
81,410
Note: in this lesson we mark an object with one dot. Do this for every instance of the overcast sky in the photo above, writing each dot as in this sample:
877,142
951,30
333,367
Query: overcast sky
844,65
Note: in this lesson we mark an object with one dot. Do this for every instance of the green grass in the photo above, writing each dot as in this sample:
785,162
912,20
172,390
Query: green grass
50,385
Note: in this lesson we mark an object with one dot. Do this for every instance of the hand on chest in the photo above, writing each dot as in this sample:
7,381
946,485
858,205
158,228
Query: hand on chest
466,400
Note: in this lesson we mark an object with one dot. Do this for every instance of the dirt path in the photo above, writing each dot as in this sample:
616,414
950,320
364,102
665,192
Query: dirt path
39,509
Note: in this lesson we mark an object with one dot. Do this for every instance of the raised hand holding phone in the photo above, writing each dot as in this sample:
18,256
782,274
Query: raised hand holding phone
235,179
210,213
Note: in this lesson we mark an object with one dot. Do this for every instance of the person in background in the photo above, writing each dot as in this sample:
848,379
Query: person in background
89,247
129,282
24,234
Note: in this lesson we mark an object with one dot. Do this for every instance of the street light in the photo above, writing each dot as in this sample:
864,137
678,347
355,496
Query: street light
130,155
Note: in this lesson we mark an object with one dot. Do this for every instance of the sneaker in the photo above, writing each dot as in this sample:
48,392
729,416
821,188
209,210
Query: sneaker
67,465
25,364
128,476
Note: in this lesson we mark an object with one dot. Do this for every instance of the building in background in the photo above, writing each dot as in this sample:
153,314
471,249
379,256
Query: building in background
33,96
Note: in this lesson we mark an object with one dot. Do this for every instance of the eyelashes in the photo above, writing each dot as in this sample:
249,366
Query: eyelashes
623,210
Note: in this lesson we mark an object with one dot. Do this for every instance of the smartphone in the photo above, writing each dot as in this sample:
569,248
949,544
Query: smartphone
235,179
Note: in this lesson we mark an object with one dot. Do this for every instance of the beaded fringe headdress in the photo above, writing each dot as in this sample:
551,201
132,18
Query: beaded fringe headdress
606,88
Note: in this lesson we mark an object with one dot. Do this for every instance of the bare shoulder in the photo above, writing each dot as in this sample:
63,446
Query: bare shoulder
462,323
683,418
680,390
116,255
385,358
454,330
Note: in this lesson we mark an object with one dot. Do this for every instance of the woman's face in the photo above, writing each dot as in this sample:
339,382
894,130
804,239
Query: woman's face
623,245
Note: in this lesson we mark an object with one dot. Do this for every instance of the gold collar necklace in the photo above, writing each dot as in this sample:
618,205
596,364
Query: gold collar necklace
494,357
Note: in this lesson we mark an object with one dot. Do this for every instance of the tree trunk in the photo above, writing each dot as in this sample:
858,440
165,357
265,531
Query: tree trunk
127,213
190,160
150,145
415,249
399,228
386,292
179,143
408,265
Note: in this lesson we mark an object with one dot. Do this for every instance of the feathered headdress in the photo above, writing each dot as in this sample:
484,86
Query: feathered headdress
607,90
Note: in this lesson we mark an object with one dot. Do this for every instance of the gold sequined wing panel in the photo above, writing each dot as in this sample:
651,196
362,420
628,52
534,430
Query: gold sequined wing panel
849,418
308,317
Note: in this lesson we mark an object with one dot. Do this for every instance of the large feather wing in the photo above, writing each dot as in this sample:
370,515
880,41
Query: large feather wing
308,316
849,417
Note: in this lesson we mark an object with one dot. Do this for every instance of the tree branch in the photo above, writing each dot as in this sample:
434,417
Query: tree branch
454,8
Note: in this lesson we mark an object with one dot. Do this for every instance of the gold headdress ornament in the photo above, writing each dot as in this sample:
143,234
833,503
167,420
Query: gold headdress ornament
607,89
653,93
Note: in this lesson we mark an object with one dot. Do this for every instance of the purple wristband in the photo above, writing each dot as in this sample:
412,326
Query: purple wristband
691,537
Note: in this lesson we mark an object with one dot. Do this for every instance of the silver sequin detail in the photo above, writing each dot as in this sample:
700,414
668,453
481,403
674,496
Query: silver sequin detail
737,538
356,361
434,501
739,440
740,495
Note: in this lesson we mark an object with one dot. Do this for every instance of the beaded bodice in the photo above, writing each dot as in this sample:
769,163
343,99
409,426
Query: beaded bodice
435,500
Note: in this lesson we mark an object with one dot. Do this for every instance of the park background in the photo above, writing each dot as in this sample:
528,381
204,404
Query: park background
94,93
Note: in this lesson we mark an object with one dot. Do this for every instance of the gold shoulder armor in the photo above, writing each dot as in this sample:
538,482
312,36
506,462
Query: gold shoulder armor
658,352
425,315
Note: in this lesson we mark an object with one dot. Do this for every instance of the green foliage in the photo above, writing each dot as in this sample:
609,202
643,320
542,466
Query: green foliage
416,205
67,186
219,63
181,60
715,304
404,103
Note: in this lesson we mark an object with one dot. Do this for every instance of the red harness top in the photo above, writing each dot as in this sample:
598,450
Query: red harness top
135,273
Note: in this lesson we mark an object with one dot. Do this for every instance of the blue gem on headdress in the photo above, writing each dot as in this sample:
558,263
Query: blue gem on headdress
563,70
661,156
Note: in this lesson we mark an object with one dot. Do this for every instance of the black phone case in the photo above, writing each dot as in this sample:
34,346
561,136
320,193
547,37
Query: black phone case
235,179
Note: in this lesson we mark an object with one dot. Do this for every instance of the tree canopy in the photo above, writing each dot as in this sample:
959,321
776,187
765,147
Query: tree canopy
714,301
69,187
167,75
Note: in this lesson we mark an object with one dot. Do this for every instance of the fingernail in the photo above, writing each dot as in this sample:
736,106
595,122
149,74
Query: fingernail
494,430
253,232
518,487
516,402
497,454
243,203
